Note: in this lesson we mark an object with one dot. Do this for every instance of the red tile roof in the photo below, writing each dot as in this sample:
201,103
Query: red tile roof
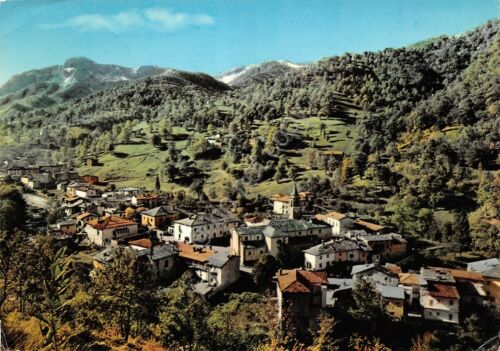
286,198
460,274
299,281
394,268
194,253
110,222
335,215
408,278
443,290
146,243
368,225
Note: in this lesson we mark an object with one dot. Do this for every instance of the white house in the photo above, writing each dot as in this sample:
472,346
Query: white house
101,231
290,205
376,273
202,227
439,296
215,266
328,253
340,222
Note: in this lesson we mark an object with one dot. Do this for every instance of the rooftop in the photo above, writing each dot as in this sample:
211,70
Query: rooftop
213,256
299,281
208,218
336,246
160,251
303,195
459,274
279,227
443,290
394,268
383,237
483,265
368,225
84,215
408,279
158,212
335,215
358,268
110,222
391,292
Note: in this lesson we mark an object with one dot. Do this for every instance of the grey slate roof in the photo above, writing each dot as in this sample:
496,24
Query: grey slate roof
208,218
483,265
157,211
159,252
384,237
336,246
361,268
280,227
252,230
436,275
493,272
391,292
219,259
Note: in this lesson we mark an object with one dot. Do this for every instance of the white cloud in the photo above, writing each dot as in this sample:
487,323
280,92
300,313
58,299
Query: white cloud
173,20
154,18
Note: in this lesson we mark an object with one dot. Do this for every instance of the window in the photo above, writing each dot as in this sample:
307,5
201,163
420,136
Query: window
351,255
431,302
320,265
451,302
450,317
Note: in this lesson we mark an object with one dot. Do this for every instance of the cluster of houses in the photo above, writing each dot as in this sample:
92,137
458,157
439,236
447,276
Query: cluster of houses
433,293
42,177
335,250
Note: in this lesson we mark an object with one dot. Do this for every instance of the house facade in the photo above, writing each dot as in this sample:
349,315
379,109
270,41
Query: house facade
158,217
249,243
161,256
328,253
290,206
215,266
146,200
339,222
385,246
439,296
300,295
202,227
101,231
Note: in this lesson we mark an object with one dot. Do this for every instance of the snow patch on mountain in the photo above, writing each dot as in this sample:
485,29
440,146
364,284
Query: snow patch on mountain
235,73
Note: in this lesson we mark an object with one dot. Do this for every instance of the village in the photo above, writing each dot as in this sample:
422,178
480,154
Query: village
326,252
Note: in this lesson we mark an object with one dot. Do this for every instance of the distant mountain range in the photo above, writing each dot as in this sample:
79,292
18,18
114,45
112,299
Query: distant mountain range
78,72
80,76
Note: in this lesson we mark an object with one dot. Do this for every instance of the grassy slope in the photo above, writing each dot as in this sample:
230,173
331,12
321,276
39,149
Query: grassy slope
143,161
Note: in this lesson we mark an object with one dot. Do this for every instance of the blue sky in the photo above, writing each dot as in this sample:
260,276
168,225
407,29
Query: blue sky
215,35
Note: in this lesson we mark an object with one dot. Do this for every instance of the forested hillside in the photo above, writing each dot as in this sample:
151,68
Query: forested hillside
420,122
